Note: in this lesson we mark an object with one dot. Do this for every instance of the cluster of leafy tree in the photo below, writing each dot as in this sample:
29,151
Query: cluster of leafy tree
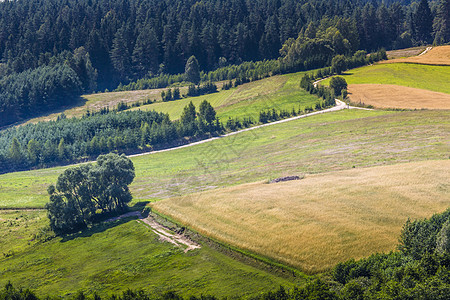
85,192
338,85
328,94
68,140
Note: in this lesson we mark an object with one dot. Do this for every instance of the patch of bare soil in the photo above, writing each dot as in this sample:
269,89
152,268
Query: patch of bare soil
394,96
164,233
436,56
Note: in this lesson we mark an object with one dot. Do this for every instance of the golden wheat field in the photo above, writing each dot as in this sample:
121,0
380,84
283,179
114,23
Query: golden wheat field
395,96
322,219
436,56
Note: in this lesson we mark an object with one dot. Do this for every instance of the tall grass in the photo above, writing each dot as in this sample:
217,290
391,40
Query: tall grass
113,257
321,220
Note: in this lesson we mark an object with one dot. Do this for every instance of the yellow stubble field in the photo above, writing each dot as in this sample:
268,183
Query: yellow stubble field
321,220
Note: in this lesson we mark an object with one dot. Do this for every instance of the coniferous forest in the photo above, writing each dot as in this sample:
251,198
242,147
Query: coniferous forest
86,46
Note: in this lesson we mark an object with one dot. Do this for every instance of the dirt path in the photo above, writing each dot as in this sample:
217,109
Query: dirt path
425,51
164,233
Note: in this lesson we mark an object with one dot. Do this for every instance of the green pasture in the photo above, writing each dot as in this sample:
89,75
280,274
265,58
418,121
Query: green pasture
279,92
115,256
318,144
427,77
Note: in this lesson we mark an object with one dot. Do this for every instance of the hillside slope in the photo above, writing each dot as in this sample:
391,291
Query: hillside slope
320,220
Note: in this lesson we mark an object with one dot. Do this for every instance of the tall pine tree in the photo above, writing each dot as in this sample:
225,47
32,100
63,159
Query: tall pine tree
442,23
192,70
145,53
120,56
423,23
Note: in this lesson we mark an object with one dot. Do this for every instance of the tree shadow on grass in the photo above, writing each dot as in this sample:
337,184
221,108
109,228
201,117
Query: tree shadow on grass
102,224
97,228
78,102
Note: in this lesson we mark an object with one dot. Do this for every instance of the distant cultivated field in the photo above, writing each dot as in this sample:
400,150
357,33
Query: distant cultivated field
113,257
323,143
394,96
432,78
436,56
247,100
279,92
402,53
94,102
321,220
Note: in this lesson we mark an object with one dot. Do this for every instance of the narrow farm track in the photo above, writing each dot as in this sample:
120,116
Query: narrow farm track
340,105
162,232
425,51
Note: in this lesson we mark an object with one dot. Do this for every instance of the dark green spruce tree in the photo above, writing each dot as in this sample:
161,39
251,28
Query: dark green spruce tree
442,23
423,23
120,56
192,70
145,53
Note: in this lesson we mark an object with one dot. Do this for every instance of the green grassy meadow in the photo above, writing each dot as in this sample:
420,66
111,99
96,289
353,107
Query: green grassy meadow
115,256
318,144
112,257
427,77
280,92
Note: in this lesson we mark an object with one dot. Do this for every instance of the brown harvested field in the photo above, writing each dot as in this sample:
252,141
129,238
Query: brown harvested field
395,96
436,56
95,102
322,219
